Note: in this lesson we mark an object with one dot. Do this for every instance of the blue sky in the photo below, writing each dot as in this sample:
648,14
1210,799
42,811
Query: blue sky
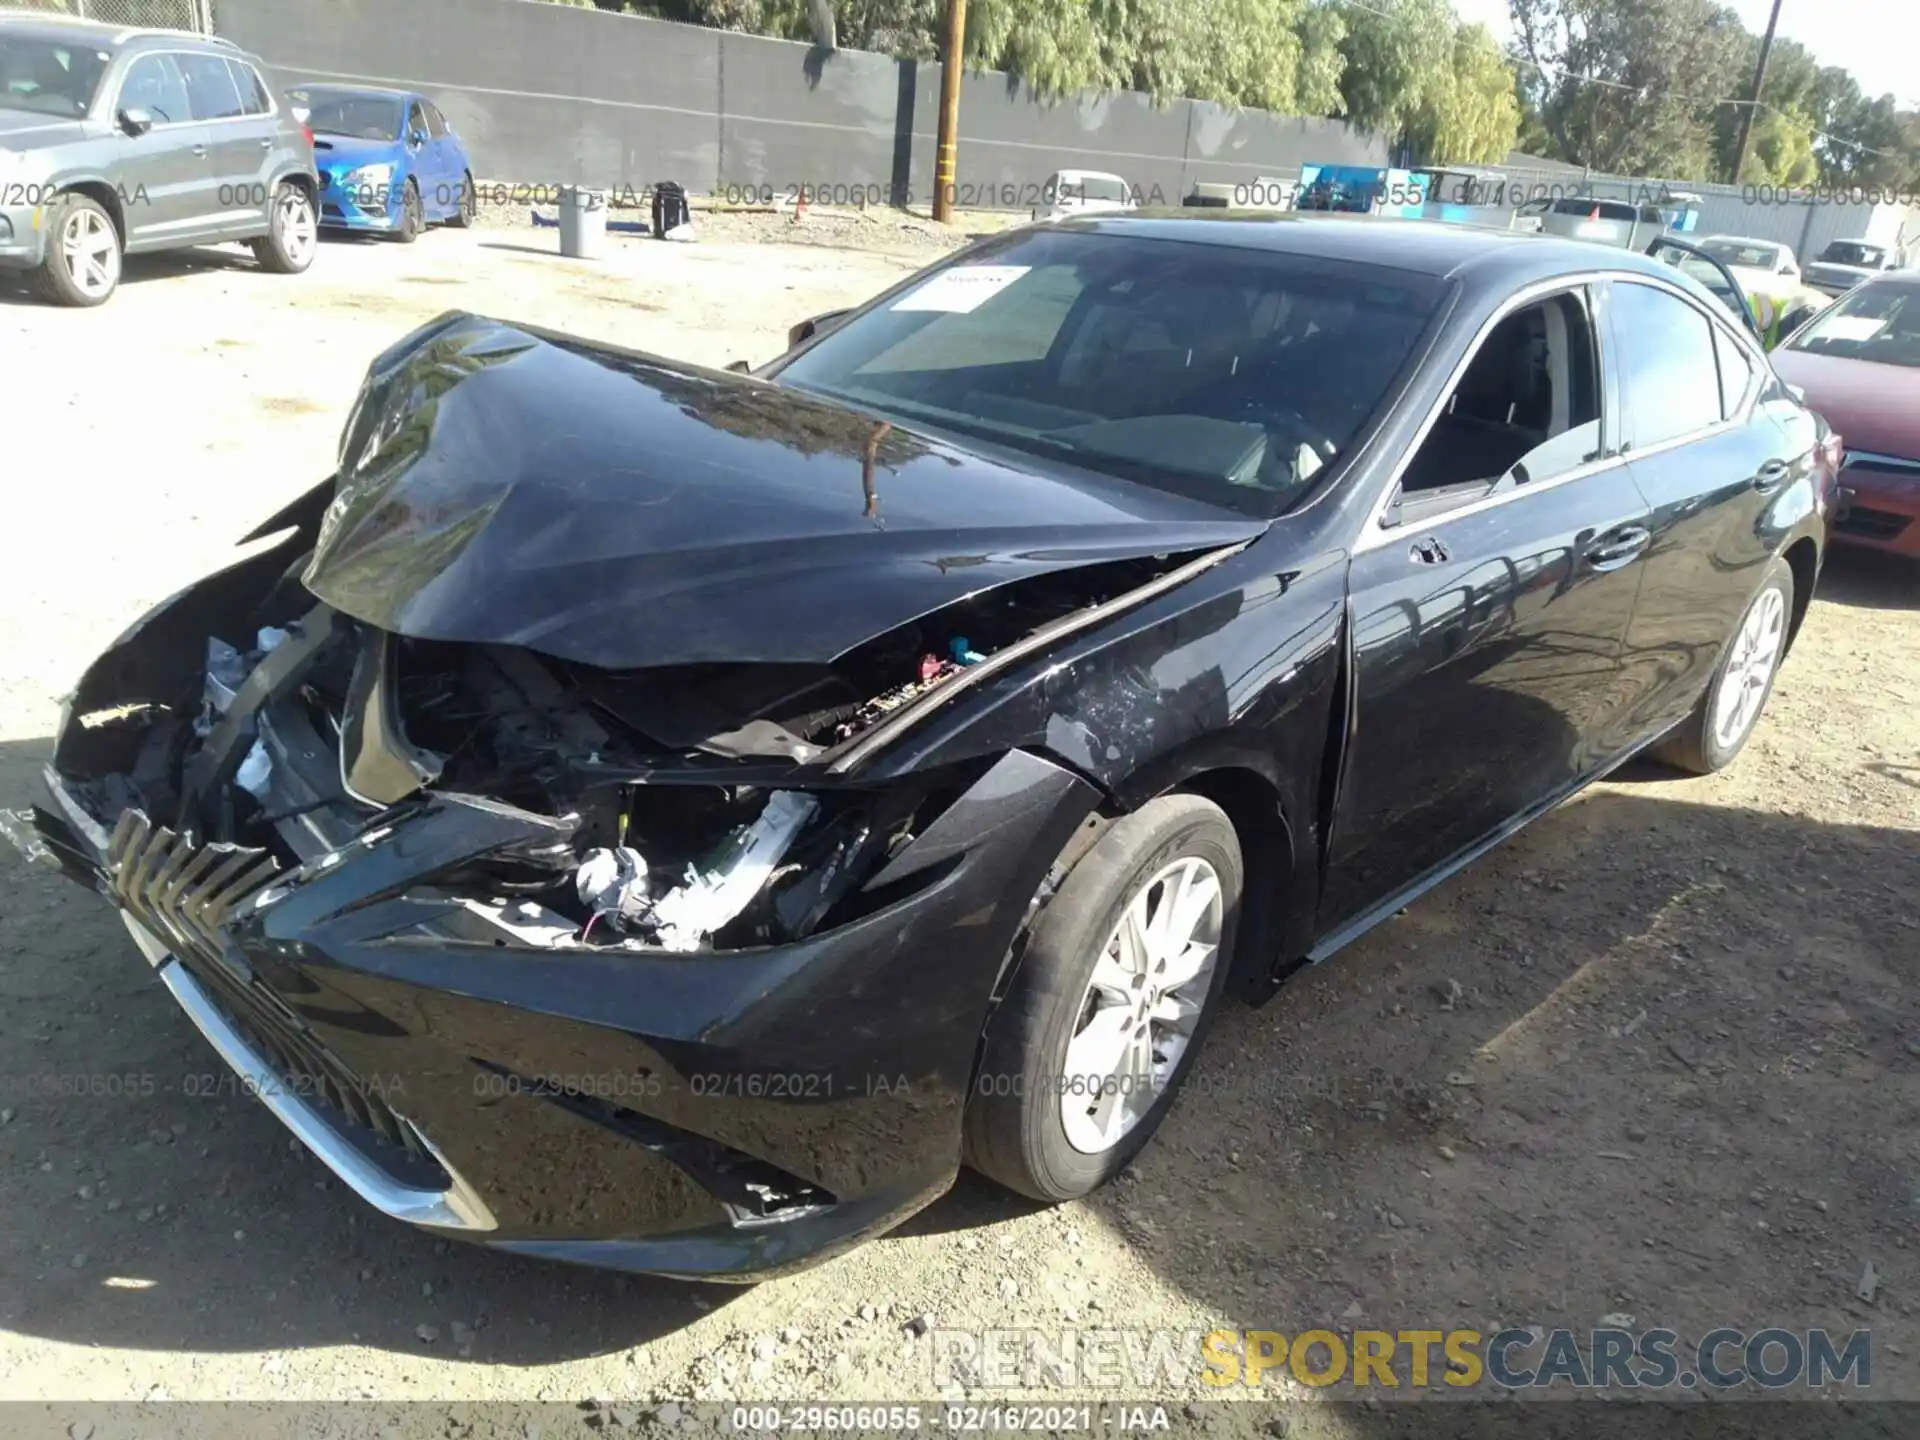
1878,40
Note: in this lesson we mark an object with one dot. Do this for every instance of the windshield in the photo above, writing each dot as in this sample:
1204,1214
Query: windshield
49,77
1229,374
1743,252
1880,321
1852,252
358,117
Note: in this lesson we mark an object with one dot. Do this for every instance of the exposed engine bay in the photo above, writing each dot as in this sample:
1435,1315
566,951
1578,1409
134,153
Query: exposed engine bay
690,807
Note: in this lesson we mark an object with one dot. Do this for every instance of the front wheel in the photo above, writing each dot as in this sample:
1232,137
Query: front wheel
82,263
1121,977
1720,726
293,232
413,216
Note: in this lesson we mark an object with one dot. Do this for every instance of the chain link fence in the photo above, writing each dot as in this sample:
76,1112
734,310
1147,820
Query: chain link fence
154,14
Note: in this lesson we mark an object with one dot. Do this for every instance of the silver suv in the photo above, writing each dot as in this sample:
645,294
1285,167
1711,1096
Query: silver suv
122,142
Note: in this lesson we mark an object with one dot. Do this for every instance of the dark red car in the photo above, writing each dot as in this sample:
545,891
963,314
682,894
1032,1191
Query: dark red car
1859,364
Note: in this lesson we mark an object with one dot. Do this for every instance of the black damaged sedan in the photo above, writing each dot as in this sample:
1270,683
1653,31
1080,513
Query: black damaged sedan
672,819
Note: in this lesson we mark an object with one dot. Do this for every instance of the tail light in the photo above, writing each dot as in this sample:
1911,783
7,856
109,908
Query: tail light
1833,452
307,130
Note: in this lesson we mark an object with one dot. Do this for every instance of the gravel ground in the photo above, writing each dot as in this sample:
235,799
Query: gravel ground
1659,1056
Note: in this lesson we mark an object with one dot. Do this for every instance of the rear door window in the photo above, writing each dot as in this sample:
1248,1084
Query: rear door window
437,127
254,99
211,93
1736,372
1669,375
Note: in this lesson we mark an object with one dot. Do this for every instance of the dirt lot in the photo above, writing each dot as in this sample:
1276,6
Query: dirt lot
1659,1056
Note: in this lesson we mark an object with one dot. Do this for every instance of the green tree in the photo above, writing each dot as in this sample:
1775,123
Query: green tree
1630,86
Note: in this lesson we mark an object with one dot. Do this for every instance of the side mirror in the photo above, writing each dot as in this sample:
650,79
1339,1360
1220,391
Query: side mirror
740,367
136,121
807,329
417,138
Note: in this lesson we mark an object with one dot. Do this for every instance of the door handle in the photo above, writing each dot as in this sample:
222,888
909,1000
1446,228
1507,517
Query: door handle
199,150
266,144
1618,548
1427,551
1770,475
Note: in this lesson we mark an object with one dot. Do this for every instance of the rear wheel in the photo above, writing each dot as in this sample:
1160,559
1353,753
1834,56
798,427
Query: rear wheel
1121,977
1720,726
293,232
469,207
82,263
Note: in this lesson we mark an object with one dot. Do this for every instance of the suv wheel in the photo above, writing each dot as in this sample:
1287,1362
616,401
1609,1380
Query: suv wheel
1121,977
82,263
293,232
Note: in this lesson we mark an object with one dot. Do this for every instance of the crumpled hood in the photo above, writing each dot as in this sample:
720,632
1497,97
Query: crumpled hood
506,485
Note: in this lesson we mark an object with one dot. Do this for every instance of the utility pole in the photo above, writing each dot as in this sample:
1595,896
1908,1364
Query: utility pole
946,157
1759,79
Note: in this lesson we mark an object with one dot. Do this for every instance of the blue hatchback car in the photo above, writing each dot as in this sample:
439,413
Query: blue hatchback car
388,161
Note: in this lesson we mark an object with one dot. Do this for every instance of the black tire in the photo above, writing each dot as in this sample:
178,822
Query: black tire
286,249
469,207
54,281
413,216
1698,745
1014,1132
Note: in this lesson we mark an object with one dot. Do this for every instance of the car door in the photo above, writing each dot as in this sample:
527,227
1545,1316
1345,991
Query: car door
449,165
1715,444
165,172
233,141
254,140
1487,613
424,161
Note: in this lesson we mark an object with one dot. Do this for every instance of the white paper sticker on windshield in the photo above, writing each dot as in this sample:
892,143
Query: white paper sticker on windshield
1852,327
963,289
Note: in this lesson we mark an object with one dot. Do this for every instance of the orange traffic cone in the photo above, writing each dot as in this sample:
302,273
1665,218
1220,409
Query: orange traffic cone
800,204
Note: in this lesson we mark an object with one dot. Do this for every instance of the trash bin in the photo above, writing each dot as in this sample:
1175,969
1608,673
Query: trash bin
670,209
583,222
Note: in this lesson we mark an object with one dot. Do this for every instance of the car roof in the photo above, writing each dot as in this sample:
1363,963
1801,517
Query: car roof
1741,240
47,26
1448,250
384,92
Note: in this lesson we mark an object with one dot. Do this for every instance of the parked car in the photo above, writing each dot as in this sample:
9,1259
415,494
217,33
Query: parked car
1845,263
1763,267
669,818
1772,313
117,142
1083,192
390,162
1606,222
1859,365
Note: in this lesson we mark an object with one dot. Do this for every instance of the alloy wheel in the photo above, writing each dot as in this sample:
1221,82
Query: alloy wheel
1142,1002
1750,667
91,252
299,232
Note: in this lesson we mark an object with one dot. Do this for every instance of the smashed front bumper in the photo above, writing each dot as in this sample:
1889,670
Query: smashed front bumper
466,1068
